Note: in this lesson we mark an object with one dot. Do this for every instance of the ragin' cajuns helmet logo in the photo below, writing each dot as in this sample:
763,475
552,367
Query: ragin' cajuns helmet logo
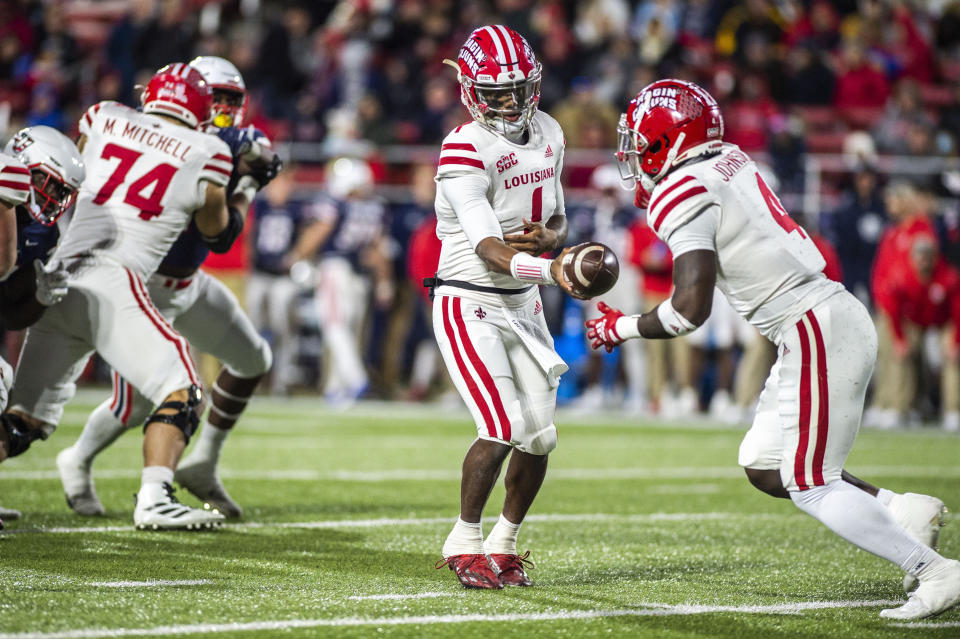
21,141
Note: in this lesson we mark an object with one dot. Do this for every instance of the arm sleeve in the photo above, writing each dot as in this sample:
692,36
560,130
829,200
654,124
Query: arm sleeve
699,234
467,195
561,205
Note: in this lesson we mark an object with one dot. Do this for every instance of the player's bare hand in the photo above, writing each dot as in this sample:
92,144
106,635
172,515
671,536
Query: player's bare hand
602,331
536,239
556,270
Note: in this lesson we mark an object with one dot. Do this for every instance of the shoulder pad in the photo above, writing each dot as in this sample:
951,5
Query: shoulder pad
86,122
14,181
460,153
673,203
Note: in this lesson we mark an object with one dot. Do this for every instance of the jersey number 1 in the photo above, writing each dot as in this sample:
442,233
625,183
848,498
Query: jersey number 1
159,176
536,206
780,215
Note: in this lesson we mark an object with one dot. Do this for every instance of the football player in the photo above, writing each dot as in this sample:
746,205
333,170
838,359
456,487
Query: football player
725,227
352,238
202,310
40,172
499,207
148,174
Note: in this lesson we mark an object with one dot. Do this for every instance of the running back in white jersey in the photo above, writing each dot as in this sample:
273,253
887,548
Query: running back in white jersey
767,266
145,178
524,183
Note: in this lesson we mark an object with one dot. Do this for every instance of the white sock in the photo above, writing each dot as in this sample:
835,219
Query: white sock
209,444
885,496
465,539
502,540
864,522
101,430
151,483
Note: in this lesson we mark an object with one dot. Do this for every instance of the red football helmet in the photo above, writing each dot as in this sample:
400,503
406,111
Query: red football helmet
179,90
668,122
499,79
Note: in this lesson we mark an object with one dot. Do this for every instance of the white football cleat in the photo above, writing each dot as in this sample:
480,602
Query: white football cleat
200,480
77,483
936,593
922,517
158,509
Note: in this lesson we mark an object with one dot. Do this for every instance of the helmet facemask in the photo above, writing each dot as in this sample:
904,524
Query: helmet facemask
49,196
228,107
507,108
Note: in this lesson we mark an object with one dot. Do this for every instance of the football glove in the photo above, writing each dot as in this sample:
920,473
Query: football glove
51,282
602,331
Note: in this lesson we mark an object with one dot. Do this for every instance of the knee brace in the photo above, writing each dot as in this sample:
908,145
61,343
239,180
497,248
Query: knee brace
19,434
186,418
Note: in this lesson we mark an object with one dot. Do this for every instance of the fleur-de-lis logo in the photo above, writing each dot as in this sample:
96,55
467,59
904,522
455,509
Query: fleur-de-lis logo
480,312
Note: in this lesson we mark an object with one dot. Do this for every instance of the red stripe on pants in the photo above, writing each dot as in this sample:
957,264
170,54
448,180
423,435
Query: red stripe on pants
128,393
485,376
823,414
465,373
800,461
116,392
143,300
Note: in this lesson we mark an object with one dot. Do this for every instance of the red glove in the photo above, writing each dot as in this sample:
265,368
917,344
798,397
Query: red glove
602,331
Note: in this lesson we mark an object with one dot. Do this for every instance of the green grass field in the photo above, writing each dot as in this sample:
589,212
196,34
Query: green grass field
642,529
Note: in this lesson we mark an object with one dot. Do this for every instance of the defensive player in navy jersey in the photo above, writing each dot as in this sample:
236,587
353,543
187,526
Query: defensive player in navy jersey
206,313
40,171
286,231
354,235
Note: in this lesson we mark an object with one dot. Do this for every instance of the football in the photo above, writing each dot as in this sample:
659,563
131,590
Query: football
592,268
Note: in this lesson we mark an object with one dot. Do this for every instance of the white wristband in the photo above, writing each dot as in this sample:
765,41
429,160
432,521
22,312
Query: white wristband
673,322
248,186
627,327
528,268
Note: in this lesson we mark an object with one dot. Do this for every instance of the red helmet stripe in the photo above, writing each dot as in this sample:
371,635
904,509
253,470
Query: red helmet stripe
512,49
498,44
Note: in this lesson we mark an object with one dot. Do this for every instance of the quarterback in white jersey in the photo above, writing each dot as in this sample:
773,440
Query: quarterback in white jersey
148,175
499,206
202,310
725,227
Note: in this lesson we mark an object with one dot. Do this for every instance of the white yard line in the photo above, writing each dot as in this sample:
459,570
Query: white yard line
153,583
416,474
392,597
428,521
651,610
920,625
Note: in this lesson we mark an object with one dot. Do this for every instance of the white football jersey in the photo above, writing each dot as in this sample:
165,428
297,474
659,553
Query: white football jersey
767,266
14,181
145,178
524,183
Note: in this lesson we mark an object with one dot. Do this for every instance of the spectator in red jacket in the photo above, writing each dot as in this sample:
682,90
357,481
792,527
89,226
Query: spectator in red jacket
422,259
666,359
920,295
860,83
909,217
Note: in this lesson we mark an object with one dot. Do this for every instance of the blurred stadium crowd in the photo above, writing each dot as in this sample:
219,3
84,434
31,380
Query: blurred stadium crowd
853,107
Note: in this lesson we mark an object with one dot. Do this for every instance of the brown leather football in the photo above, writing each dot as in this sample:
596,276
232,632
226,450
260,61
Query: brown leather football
592,268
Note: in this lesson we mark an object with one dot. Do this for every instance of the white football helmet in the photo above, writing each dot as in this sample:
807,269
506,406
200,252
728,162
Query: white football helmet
346,176
56,170
230,99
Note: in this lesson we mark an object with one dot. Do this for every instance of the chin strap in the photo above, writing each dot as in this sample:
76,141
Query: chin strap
672,155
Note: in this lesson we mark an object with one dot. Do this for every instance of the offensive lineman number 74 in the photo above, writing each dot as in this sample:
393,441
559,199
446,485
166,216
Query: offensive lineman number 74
159,176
